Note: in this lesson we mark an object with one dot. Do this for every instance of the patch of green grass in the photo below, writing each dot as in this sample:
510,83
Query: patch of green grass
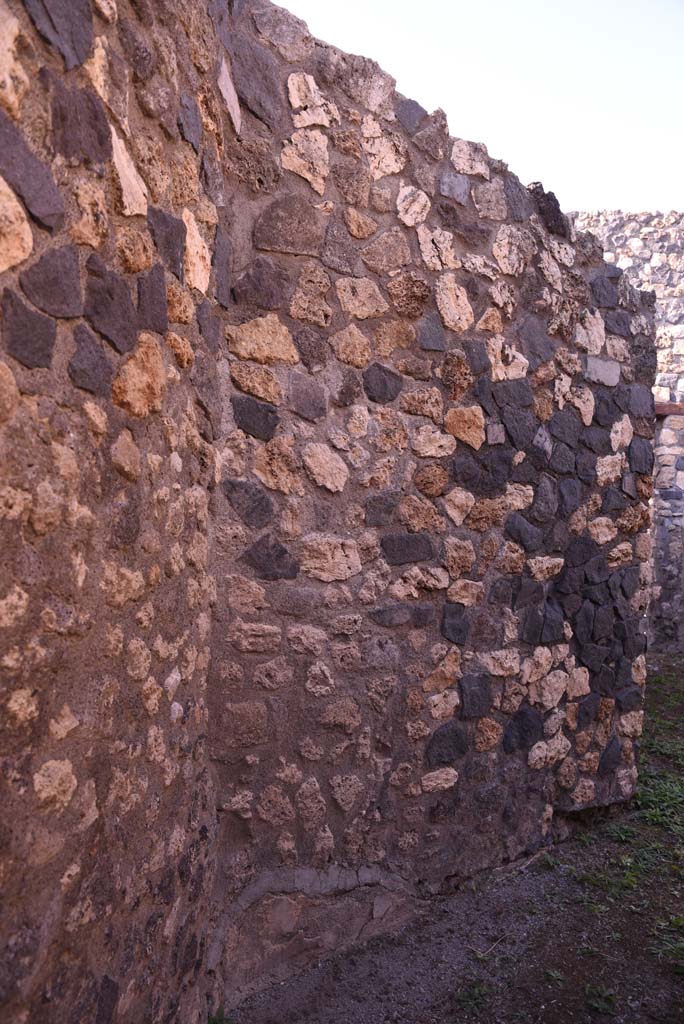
660,798
220,1018
557,977
474,997
600,999
668,942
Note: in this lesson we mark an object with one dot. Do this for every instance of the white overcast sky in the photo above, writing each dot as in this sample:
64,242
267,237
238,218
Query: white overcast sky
586,96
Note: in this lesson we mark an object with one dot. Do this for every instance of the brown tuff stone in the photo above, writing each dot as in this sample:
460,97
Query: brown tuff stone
467,424
181,348
308,302
360,297
16,239
410,294
139,385
431,480
265,340
388,252
257,381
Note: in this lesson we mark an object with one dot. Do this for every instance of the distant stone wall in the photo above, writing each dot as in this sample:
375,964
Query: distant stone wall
649,247
325,461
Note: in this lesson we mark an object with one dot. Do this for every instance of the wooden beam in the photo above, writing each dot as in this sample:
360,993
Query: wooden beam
669,408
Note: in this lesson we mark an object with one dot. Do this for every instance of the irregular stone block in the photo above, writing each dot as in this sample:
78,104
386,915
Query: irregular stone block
53,284
28,336
29,178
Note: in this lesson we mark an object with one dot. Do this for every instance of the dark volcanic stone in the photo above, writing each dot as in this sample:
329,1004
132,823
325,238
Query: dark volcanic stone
380,508
210,326
222,264
513,392
545,504
402,548
580,551
604,291
53,284
124,515
521,426
259,419
211,174
588,710
391,616
250,501
606,410
476,695
307,399
565,426
532,625
640,454
410,114
271,560
257,80
630,581
89,367
264,285
534,342
107,999
629,699
487,477
349,390
593,655
550,211
455,624
640,401
141,56
313,349
338,251
518,199
618,322
290,224
585,467
570,492
552,629
66,24
610,758
597,440
470,231
169,234
431,333
476,354
523,533
562,459
29,178
596,570
446,744
190,120
28,336
583,623
108,306
604,621
80,129
153,314
484,393
381,384
525,728
528,592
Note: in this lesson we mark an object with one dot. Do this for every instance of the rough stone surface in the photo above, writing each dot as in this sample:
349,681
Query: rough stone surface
16,239
324,555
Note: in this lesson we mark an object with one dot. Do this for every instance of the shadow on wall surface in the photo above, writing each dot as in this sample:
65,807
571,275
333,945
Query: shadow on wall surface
649,248
326,460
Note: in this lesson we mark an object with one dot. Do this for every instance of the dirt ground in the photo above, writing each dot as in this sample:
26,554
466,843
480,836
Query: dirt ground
589,931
